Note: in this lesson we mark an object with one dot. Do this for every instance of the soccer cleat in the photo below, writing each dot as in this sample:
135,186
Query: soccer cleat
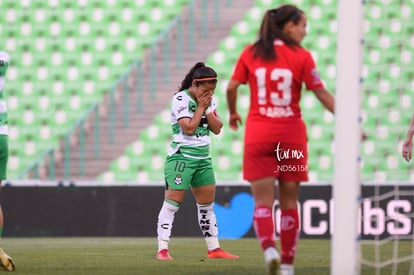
163,255
272,260
287,269
6,262
219,253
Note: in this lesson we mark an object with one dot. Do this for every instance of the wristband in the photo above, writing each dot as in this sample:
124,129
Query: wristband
207,111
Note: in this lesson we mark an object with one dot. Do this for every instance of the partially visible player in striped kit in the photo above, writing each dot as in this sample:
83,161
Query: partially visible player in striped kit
6,262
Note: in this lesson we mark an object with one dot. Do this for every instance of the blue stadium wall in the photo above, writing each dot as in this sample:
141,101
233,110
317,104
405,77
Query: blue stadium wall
132,211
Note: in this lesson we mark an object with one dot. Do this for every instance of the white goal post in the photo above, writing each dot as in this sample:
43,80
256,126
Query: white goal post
346,185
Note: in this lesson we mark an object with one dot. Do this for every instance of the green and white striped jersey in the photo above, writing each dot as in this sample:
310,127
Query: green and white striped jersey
197,145
4,64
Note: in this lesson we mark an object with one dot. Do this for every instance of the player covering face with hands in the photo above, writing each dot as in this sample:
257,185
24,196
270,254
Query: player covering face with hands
188,164
275,139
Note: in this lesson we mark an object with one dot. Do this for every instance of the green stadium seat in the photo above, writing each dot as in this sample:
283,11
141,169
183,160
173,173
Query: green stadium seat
15,163
91,92
406,103
143,162
368,169
164,131
324,167
150,134
254,15
123,163
243,28
232,46
154,146
395,163
218,61
264,4
374,12
316,132
144,31
225,165
172,3
135,149
233,174
170,11
157,167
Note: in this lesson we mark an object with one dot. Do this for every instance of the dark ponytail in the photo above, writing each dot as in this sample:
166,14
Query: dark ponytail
272,27
198,72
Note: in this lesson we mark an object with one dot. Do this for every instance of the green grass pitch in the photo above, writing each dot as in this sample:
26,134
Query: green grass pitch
89,256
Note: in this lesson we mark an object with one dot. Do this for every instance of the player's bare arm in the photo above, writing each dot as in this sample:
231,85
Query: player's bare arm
189,125
234,117
214,122
326,98
407,147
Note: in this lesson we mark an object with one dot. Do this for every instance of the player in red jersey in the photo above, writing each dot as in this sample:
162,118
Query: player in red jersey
275,145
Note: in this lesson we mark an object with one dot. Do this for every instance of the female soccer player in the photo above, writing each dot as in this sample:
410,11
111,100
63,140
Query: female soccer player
188,164
407,149
275,141
6,262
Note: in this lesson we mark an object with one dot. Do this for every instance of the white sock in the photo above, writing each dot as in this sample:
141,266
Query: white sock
287,269
165,223
271,254
208,225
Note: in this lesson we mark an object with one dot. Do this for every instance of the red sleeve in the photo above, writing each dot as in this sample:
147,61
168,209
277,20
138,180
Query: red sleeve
310,74
240,71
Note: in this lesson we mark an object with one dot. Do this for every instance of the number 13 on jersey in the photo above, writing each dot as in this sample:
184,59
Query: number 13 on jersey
280,96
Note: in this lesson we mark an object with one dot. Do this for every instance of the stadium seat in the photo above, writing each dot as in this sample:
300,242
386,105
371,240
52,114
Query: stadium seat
123,163
233,46
368,168
226,167
264,4
244,29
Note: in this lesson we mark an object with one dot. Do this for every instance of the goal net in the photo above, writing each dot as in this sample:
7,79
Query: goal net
386,208
387,224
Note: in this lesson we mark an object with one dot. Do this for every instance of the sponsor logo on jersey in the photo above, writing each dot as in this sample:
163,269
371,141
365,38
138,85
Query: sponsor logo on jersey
315,76
182,108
